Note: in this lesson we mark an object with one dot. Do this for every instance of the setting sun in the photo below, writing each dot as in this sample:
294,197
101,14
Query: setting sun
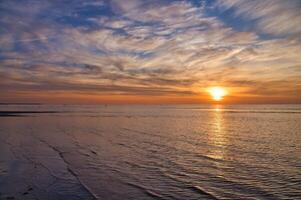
217,93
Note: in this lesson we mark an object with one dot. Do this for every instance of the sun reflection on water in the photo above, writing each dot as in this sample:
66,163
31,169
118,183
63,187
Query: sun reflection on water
217,134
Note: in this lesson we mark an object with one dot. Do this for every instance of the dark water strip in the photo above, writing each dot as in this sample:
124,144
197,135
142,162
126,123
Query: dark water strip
24,113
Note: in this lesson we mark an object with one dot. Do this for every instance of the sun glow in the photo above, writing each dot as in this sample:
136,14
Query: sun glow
217,93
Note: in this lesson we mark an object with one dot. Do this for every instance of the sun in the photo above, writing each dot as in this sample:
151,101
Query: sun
217,93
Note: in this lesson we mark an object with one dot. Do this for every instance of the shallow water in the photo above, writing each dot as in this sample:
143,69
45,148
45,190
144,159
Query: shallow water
150,152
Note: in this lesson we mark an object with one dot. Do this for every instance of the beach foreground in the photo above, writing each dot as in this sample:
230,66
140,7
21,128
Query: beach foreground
150,152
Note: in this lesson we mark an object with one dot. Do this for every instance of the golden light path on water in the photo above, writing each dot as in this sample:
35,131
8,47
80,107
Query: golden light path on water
217,135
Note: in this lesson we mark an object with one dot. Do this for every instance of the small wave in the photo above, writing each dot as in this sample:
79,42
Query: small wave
202,191
197,189
146,191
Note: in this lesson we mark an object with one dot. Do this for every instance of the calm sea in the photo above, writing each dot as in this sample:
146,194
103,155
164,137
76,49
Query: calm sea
150,152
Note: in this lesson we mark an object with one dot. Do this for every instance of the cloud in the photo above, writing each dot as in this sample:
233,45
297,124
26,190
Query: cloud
142,47
274,17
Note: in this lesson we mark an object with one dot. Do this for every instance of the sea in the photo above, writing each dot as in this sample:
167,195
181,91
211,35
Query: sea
176,152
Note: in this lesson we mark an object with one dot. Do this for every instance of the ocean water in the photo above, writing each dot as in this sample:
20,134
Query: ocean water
150,152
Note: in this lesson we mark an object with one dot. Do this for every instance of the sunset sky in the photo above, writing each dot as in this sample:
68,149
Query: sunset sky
150,51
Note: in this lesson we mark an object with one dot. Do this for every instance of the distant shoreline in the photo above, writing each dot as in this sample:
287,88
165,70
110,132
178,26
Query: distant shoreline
22,104
23,113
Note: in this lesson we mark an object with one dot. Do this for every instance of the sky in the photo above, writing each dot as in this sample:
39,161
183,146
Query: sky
149,51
